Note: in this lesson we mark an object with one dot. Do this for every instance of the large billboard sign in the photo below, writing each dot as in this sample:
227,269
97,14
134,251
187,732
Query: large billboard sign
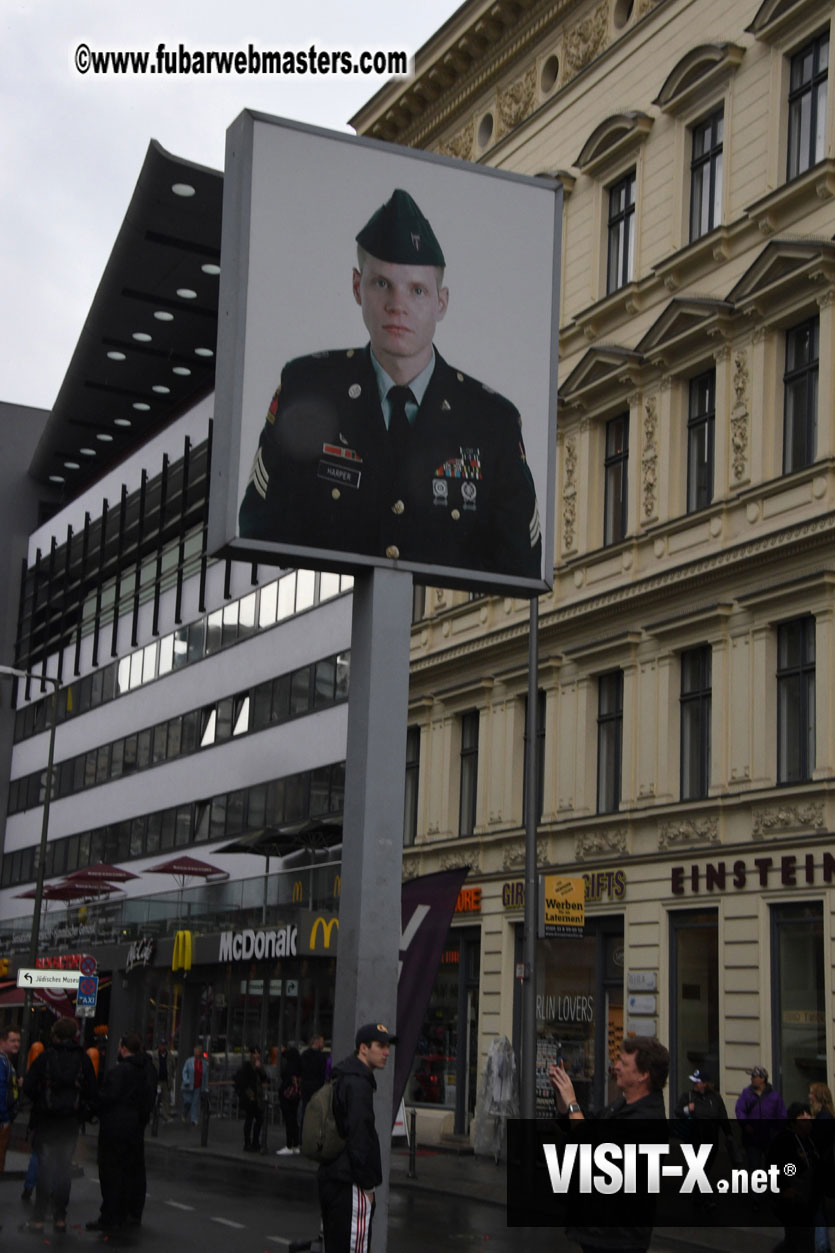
386,369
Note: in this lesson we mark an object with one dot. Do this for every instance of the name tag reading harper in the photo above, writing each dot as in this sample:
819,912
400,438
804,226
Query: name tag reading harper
345,476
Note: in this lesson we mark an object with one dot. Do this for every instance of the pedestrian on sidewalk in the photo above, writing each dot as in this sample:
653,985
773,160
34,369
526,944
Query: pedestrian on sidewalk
823,1134
9,1049
700,1115
314,1068
250,1082
641,1074
61,1084
759,1111
162,1062
289,1095
346,1185
195,1084
126,1102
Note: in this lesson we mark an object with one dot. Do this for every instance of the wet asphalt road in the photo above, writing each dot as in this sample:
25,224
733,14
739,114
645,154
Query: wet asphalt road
207,1207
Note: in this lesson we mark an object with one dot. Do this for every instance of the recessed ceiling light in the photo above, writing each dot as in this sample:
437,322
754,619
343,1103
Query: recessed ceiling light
121,422
182,189
163,391
141,406
162,315
56,478
87,452
210,268
203,352
116,356
71,465
142,337
185,293
181,369
104,437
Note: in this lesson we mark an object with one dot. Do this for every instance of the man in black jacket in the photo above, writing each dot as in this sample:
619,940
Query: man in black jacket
126,1102
346,1185
61,1084
640,1073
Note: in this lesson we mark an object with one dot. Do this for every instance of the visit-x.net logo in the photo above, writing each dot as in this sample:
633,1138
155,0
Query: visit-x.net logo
643,1173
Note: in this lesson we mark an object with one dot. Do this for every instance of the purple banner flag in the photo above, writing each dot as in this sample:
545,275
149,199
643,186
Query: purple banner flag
427,905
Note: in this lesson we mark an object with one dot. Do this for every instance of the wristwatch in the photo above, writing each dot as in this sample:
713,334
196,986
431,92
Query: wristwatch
574,1108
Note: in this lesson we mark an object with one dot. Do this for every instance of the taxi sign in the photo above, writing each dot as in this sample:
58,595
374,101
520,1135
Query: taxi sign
88,990
47,978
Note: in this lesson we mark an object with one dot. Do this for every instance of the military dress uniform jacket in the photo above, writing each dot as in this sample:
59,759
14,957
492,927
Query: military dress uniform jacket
457,491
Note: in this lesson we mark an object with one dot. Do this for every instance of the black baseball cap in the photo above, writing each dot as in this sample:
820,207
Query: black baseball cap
374,1031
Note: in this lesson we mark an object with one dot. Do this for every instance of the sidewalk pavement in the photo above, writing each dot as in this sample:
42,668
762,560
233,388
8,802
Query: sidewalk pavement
437,1170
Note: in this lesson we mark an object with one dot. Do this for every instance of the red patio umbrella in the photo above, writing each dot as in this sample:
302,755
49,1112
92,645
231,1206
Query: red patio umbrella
101,870
185,867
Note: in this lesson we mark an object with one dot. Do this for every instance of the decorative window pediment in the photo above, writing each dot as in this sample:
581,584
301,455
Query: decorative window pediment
698,73
600,371
777,20
683,322
613,139
777,269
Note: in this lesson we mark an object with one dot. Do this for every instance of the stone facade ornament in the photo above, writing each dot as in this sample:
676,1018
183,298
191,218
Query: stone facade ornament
689,831
739,415
457,861
584,41
569,494
601,844
777,819
460,145
514,855
649,458
517,102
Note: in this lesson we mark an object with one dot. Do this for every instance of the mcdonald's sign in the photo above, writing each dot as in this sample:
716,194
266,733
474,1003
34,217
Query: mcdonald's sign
181,957
337,885
318,933
297,891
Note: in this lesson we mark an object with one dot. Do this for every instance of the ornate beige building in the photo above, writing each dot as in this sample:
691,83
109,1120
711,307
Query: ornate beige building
687,649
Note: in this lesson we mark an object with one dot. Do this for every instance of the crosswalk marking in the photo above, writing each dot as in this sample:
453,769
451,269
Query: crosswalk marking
179,1205
227,1222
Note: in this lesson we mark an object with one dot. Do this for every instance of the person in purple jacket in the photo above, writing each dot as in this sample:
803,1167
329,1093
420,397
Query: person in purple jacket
759,1111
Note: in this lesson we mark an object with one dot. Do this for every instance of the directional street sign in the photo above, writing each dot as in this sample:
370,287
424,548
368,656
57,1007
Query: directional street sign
47,978
88,990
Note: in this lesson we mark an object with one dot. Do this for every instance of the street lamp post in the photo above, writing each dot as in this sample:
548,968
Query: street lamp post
34,939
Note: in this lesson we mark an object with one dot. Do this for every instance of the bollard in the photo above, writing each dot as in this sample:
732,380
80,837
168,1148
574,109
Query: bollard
412,1142
205,1111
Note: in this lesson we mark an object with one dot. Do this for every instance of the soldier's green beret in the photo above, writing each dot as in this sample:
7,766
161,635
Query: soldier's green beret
398,232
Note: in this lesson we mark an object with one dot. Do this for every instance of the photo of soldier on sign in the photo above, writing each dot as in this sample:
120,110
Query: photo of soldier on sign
375,447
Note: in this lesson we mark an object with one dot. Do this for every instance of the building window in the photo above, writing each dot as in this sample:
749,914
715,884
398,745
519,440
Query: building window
800,426
695,723
807,105
706,176
621,233
410,805
796,700
609,740
700,435
469,773
799,1009
616,464
540,759
694,994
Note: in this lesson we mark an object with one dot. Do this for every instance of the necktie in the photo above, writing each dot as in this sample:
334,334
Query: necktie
399,425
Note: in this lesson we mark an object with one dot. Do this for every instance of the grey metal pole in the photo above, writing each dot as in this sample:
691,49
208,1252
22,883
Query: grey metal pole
372,847
528,1051
35,936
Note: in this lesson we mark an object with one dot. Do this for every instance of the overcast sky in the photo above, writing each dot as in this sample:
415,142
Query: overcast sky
72,145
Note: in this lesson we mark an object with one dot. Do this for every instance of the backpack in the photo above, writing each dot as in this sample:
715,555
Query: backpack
61,1093
321,1137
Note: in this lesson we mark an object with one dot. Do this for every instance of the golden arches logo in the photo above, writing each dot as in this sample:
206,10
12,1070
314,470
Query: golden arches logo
337,885
181,957
327,925
297,891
